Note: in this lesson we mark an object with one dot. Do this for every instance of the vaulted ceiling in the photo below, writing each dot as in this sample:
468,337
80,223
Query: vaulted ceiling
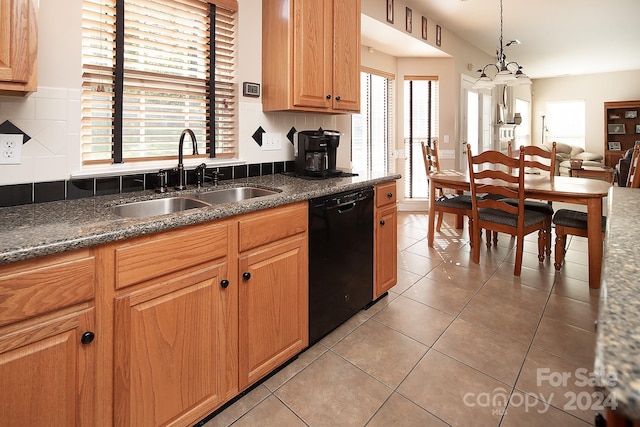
558,37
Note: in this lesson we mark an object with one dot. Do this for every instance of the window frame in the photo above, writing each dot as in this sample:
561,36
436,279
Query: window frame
219,127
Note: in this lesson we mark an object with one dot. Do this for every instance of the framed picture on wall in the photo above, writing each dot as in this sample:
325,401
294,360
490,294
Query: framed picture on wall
438,35
424,28
616,129
637,128
615,145
631,114
390,11
408,25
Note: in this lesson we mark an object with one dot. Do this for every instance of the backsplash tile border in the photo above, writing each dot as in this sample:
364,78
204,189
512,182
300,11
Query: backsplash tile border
51,191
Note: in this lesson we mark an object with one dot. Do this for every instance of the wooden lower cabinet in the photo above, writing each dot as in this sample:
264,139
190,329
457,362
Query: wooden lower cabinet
48,341
385,251
158,330
171,348
190,339
48,374
274,311
385,238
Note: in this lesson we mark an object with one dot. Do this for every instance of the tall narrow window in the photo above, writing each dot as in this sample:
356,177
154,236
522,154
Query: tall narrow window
421,111
370,130
150,70
565,122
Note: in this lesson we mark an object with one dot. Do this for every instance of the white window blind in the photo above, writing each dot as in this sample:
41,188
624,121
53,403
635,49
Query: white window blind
147,75
421,112
371,129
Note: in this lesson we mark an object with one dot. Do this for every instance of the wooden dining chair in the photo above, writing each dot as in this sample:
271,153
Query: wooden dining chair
444,203
568,221
633,178
489,174
533,164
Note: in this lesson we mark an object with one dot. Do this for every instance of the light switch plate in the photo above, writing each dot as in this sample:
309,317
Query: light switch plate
271,141
10,149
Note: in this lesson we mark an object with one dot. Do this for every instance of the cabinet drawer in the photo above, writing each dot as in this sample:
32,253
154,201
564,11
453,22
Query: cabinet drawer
42,285
266,226
385,194
147,257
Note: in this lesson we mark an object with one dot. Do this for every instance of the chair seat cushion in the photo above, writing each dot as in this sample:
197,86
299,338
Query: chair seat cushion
462,201
533,205
501,217
574,219
454,201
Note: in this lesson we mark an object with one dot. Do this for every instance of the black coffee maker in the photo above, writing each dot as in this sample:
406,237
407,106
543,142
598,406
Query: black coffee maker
315,152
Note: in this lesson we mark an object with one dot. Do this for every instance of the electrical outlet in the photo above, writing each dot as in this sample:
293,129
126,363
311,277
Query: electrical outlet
271,141
10,149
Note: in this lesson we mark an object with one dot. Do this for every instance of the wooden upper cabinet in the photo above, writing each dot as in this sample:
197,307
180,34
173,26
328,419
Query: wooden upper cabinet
346,63
311,55
18,47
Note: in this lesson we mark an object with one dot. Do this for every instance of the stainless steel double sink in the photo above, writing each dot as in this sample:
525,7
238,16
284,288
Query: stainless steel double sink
174,204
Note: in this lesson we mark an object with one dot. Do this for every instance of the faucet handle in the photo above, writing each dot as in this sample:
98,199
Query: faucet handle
161,181
216,174
200,174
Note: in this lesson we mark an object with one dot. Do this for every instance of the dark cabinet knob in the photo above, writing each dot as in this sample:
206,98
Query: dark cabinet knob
337,98
224,283
246,275
382,222
87,337
329,96
389,195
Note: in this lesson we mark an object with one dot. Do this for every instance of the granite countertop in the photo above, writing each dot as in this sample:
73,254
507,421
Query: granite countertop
30,231
617,363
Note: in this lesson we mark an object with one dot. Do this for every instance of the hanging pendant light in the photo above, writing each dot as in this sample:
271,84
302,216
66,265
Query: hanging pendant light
507,73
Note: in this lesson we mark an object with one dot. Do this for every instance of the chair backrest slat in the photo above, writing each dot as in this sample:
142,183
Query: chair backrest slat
633,178
532,155
430,155
494,177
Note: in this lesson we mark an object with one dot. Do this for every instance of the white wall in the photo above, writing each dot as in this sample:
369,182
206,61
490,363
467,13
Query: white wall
595,90
51,116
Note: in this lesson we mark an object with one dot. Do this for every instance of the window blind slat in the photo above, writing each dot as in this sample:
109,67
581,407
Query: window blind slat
167,69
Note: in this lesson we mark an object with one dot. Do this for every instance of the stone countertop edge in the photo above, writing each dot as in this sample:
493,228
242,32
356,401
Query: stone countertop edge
30,231
617,361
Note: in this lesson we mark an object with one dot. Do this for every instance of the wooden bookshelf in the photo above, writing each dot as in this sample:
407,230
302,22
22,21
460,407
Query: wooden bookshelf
622,126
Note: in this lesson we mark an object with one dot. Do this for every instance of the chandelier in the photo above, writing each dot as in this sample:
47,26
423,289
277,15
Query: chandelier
507,73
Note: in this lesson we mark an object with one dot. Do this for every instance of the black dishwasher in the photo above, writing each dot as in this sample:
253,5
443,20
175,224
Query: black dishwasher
340,258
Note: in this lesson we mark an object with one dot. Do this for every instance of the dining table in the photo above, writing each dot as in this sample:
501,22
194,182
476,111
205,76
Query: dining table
581,191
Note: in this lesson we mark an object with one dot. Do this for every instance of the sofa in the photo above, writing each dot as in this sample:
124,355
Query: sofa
566,152
622,168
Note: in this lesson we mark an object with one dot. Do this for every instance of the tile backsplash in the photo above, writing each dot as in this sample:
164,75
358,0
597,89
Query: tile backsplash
39,192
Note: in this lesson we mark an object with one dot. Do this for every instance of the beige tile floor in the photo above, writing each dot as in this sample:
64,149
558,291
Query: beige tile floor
454,343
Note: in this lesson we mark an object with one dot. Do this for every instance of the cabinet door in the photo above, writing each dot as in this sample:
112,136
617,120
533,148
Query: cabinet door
48,375
312,47
346,61
274,319
18,45
170,348
385,254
